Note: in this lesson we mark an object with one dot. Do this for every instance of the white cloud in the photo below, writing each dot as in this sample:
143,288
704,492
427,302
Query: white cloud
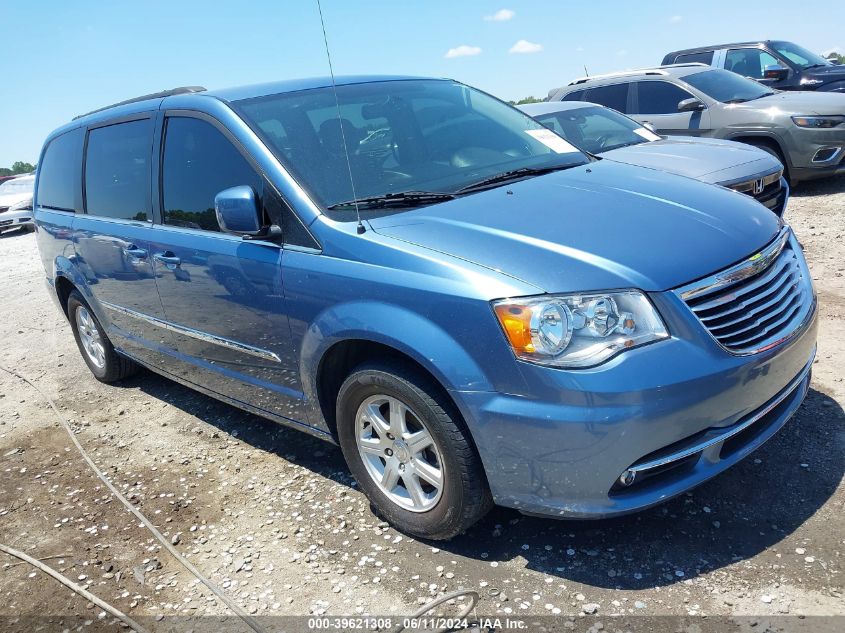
462,51
524,46
502,15
622,53
676,18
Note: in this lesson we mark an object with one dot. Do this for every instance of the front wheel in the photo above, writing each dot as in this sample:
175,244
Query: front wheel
96,348
410,452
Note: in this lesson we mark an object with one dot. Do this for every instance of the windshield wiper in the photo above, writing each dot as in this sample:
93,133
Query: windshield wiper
397,199
513,174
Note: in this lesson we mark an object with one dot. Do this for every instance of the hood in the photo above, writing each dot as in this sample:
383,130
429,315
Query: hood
710,160
826,73
7,200
603,225
799,102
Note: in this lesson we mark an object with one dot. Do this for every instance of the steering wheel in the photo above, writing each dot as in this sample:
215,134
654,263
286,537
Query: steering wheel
396,174
602,141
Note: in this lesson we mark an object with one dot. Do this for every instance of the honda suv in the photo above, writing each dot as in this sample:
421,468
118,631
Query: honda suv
805,130
472,308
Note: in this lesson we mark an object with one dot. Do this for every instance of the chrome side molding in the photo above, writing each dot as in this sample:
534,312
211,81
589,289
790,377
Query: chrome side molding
197,334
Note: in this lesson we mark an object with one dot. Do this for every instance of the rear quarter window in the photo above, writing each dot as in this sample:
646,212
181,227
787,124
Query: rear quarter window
703,57
578,95
60,173
614,96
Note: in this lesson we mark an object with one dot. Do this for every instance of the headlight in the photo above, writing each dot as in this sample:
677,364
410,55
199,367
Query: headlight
23,204
578,330
818,121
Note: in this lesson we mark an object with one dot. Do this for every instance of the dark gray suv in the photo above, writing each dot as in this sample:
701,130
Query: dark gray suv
805,130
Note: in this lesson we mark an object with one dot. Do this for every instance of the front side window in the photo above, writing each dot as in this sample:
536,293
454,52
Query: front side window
615,96
117,170
659,97
749,62
60,173
597,129
401,136
199,162
726,86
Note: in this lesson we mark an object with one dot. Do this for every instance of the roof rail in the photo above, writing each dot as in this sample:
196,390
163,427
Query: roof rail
154,95
652,70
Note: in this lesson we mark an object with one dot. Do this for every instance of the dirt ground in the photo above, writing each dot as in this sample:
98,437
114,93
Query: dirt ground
272,515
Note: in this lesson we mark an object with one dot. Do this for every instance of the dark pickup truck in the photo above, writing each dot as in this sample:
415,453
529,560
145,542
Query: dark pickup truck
779,64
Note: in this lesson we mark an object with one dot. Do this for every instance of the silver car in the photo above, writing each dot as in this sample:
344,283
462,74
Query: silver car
805,130
612,135
16,203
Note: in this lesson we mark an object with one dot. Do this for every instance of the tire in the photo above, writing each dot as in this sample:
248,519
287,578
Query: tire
462,498
106,364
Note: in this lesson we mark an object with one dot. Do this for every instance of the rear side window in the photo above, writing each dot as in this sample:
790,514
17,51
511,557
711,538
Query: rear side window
200,162
60,173
117,170
578,95
704,57
660,97
615,96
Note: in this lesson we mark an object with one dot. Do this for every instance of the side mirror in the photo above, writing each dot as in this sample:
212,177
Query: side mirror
690,105
650,127
776,73
237,211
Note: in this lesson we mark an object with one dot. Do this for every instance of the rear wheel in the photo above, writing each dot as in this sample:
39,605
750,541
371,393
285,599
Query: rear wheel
410,452
96,348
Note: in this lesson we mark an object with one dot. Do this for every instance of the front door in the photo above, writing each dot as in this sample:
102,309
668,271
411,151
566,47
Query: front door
222,295
657,103
112,237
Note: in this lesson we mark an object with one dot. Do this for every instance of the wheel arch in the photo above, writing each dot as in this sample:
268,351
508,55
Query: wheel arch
764,138
372,332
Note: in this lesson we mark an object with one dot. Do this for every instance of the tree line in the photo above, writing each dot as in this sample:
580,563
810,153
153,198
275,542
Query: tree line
18,167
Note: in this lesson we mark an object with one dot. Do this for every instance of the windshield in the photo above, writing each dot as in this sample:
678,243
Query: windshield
17,185
402,136
597,129
800,56
727,87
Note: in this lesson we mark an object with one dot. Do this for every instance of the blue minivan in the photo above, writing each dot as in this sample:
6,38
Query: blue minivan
473,309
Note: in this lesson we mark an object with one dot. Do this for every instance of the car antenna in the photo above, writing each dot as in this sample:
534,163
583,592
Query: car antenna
361,228
586,72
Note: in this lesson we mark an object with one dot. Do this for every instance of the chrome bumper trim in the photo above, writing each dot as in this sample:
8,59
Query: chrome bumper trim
785,393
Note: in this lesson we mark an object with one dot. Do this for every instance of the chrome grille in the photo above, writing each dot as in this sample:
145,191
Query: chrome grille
758,303
768,191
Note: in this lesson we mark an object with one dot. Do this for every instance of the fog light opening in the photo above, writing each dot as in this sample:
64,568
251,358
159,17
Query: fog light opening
627,478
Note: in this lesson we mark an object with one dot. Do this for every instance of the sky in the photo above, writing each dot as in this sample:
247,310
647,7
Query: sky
68,58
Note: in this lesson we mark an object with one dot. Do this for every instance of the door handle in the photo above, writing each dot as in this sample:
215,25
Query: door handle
134,251
168,258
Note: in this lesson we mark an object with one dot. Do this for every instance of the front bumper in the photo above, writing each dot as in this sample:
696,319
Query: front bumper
816,153
16,219
678,412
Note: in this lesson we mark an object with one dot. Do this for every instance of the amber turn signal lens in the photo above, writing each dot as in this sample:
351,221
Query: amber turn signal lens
516,321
